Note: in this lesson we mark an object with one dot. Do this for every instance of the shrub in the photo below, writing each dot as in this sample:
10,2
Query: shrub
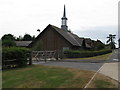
83,54
14,56
8,43
100,46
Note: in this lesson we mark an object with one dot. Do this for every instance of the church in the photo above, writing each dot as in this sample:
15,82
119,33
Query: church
55,38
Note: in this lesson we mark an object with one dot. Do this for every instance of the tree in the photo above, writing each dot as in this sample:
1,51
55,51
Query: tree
19,38
8,36
99,45
111,41
27,37
8,40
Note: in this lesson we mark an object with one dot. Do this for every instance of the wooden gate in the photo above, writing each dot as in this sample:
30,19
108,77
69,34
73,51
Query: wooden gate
44,55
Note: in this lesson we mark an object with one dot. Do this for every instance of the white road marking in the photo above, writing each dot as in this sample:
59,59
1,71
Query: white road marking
92,78
115,59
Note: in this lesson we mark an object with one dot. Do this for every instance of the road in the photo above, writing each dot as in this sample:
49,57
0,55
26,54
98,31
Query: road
82,64
77,65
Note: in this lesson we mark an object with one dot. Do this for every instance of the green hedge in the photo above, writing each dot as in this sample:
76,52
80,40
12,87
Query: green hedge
84,54
14,56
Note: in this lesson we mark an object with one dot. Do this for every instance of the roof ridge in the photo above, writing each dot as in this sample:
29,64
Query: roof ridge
65,34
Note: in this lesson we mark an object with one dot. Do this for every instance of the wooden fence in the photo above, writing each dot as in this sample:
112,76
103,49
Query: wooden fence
44,55
32,56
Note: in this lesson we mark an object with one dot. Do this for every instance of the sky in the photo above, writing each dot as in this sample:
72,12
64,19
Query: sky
94,19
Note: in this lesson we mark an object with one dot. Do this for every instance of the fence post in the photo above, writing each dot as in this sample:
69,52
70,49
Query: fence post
61,54
56,55
45,56
30,59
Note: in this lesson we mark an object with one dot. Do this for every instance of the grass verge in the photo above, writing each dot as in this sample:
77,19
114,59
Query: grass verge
100,57
37,76
101,81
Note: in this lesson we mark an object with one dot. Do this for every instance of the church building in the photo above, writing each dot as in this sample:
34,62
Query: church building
54,38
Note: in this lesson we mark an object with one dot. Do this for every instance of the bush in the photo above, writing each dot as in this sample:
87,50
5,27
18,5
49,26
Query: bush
83,54
14,56
8,43
100,46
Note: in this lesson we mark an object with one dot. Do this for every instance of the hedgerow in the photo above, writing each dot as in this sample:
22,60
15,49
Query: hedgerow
84,54
14,56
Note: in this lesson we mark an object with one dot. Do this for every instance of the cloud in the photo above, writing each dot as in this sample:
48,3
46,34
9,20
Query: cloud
98,32
85,17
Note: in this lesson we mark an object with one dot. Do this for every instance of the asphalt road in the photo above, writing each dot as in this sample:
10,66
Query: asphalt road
82,64
77,65
115,56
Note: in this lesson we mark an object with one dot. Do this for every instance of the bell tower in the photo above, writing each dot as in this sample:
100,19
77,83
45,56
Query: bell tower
64,21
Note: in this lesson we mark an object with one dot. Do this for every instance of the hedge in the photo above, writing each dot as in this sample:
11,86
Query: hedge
84,54
14,56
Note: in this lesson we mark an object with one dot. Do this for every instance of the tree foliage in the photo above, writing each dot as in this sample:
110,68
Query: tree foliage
8,40
100,45
8,37
27,37
20,38
111,41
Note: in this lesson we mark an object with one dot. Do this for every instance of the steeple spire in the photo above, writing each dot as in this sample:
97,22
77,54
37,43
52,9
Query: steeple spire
64,14
64,20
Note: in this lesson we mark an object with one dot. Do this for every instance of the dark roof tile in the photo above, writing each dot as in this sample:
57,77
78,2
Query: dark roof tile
22,43
68,36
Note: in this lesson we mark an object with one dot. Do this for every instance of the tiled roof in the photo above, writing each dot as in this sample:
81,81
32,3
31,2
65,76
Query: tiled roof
79,39
22,43
72,38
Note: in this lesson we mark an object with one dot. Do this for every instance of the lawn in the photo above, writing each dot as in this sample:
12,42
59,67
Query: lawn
38,76
100,57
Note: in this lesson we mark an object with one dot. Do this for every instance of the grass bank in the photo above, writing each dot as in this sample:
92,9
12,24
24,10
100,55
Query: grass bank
100,57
